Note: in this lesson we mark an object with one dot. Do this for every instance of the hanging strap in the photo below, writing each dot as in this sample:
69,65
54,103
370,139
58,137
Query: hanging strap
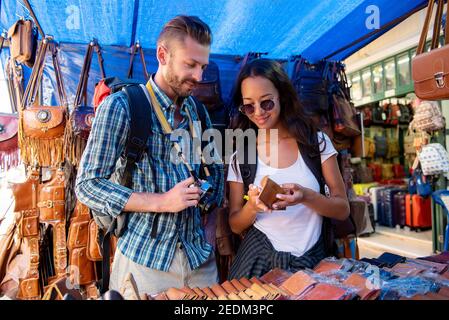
2,43
136,47
81,92
30,9
436,26
37,73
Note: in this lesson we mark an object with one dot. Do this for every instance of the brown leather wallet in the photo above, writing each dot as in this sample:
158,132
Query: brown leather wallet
269,191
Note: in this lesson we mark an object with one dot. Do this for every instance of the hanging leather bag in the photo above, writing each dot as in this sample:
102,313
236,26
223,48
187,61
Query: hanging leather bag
83,114
430,70
42,128
23,42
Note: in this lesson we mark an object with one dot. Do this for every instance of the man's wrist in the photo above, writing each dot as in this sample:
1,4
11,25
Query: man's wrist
156,202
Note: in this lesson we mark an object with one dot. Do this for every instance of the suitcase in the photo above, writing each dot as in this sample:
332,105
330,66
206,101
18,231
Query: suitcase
399,208
388,218
375,200
418,212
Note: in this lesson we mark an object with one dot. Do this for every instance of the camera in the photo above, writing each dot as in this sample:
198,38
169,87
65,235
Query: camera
206,204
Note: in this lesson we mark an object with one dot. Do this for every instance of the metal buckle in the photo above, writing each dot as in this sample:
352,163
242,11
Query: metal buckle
439,79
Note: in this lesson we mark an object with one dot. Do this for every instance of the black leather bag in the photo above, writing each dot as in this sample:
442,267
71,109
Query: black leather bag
381,146
406,116
311,86
378,115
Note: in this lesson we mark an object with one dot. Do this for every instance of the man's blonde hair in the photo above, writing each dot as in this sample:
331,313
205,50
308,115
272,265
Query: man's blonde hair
182,26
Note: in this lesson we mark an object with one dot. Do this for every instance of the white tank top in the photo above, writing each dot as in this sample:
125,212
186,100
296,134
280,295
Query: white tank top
297,228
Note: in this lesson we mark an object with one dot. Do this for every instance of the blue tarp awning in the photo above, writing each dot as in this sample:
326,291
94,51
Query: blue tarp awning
314,28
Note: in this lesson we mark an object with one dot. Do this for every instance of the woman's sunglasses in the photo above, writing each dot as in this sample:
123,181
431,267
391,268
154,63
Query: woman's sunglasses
248,109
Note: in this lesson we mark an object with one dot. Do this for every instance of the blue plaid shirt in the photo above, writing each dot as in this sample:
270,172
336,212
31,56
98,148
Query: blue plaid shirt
103,159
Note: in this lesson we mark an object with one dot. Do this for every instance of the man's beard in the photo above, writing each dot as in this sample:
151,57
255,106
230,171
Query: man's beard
176,84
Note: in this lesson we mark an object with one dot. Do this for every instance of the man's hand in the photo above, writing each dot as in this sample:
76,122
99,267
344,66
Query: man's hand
181,196
294,195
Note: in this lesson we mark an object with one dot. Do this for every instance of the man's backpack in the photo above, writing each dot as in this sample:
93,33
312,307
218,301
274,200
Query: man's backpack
136,145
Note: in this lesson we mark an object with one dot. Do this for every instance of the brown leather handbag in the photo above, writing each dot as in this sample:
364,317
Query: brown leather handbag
9,151
430,70
23,42
83,114
51,204
26,199
42,128
81,269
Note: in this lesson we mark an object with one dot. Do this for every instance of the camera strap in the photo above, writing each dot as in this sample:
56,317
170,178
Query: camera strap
168,130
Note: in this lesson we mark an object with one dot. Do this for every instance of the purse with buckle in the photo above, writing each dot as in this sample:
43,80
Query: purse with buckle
82,116
430,70
42,128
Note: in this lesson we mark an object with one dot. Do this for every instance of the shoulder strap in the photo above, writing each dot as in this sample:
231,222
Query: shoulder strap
140,126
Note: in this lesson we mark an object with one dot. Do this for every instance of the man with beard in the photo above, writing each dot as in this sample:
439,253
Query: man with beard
164,243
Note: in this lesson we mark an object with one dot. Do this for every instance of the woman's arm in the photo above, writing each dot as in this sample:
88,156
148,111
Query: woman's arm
242,215
336,206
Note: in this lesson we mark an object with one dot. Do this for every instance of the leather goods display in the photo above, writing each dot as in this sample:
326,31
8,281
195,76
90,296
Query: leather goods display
381,146
51,204
82,269
409,146
377,171
418,212
434,159
379,115
42,128
269,191
367,116
208,90
23,42
399,172
430,70
311,86
369,147
405,114
428,117
387,171
9,156
82,114
15,81
363,174
345,117
26,196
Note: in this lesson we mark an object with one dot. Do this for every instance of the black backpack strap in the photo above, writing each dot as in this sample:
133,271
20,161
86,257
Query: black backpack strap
136,145
247,170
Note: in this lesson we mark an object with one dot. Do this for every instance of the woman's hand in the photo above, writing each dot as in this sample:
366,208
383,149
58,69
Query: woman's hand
254,201
294,194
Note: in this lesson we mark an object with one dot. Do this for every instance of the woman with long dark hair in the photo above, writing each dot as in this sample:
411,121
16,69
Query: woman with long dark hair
289,234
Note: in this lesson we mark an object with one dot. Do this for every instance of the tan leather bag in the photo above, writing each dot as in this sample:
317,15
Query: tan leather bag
42,128
9,152
430,70
23,42
82,269
83,113
52,211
